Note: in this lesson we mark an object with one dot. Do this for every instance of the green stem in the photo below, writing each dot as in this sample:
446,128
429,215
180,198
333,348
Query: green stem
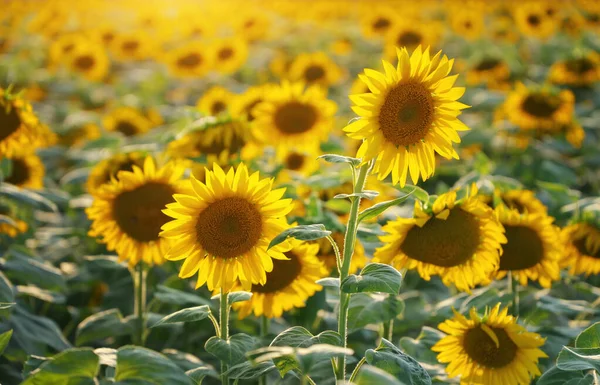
139,286
264,331
513,285
349,241
357,369
215,324
336,250
389,330
224,318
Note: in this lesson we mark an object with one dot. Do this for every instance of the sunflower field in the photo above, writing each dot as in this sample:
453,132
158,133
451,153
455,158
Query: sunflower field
311,192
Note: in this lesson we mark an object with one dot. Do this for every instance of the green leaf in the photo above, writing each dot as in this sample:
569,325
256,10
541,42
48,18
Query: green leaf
6,290
379,208
107,356
232,351
374,278
73,366
369,375
21,266
41,294
589,338
366,309
235,296
27,197
6,305
420,348
367,194
141,366
394,361
33,333
6,220
190,314
415,191
333,158
578,359
302,233
297,336
4,339
329,282
287,358
250,371
99,326
555,376
200,373
32,363
172,296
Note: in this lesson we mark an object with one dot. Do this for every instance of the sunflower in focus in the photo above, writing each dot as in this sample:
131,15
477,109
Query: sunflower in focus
533,248
127,211
459,240
315,68
578,72
327,255
128,121
27,170
582,244
229,55
491,72
108,169
189,61
489,350
289,284
410,114
223,227
215,101
377,22
409,34
294,116
19,126
90,61
532,20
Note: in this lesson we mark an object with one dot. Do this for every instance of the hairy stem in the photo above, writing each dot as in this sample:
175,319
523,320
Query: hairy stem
139,286
224,319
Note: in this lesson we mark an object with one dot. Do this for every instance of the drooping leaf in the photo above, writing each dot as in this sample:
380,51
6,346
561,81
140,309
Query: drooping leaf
22,266
333,158
250,371
33,333
302,233
74,366
141,366
172,296
41,294
366,309
6,290
374,278
27,197
578,359
397,363
379,208
369,375
232,351
329,282
420,348
109,323
198,374
367,194
589,338
555,376
190,314
4,340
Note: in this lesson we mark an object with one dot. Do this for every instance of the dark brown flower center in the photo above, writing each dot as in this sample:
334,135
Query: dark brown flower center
523,250
108,37
218,145
248,109
533,20
313,73
541,105
580,66
581,246
85,62
229,227
294,161
381,24
487,64
68,47
126,128
190,60
481,348
217,107
9,122
139,212
406,114
131,46
283,274
295,118
409,39
446,243
20,172
225,53
513,203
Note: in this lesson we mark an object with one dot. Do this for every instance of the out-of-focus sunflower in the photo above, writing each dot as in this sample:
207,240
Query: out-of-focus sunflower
292,116
503,29
532,20
190,60
537,108
215,101
410,114
108,169
27,170
62,47
243,105
492,72
296,162
341,46
128,121
289,284
229,54
132,46
19,126
578,72
315,69
524,201
223,227
582,244
409,34
105,34
489,350
572,22
327,255
127,211
253,25
469,23
459,240
378,21
280,64
89,60
11,229
79,134
533,248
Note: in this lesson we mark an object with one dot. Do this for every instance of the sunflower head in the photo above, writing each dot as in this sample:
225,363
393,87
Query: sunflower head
19,126
79,134
189,61
579,72
242,106
409,115
315,68
215,101
128,121
489,350
532,20
90,61
229,54
107,169
582,246
27,170
490,71
523,201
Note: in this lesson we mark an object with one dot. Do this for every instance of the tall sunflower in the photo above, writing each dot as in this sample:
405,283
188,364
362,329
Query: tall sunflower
582,244
410,114
222,229
108,169
292,116
579,72
533,248
215,101
19,126
27,170
289,284
128,121
189,61
229,54
127,212
459,240
489,350
315,68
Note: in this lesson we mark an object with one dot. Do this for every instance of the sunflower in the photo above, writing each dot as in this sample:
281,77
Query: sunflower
492,72
252,26
132,46
79,134
459,240
410,114
578,72
292,116
229,54
62,47
90,61
582,244
108,169
524,201
537,108
378,22
127,120
469,23
341,46
280,64
532,20
289,284
19,126
127,211
314,68
223,228
215,101
327,255
27,170
189,61
409,34
489,350
296,162
533,248
243,105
